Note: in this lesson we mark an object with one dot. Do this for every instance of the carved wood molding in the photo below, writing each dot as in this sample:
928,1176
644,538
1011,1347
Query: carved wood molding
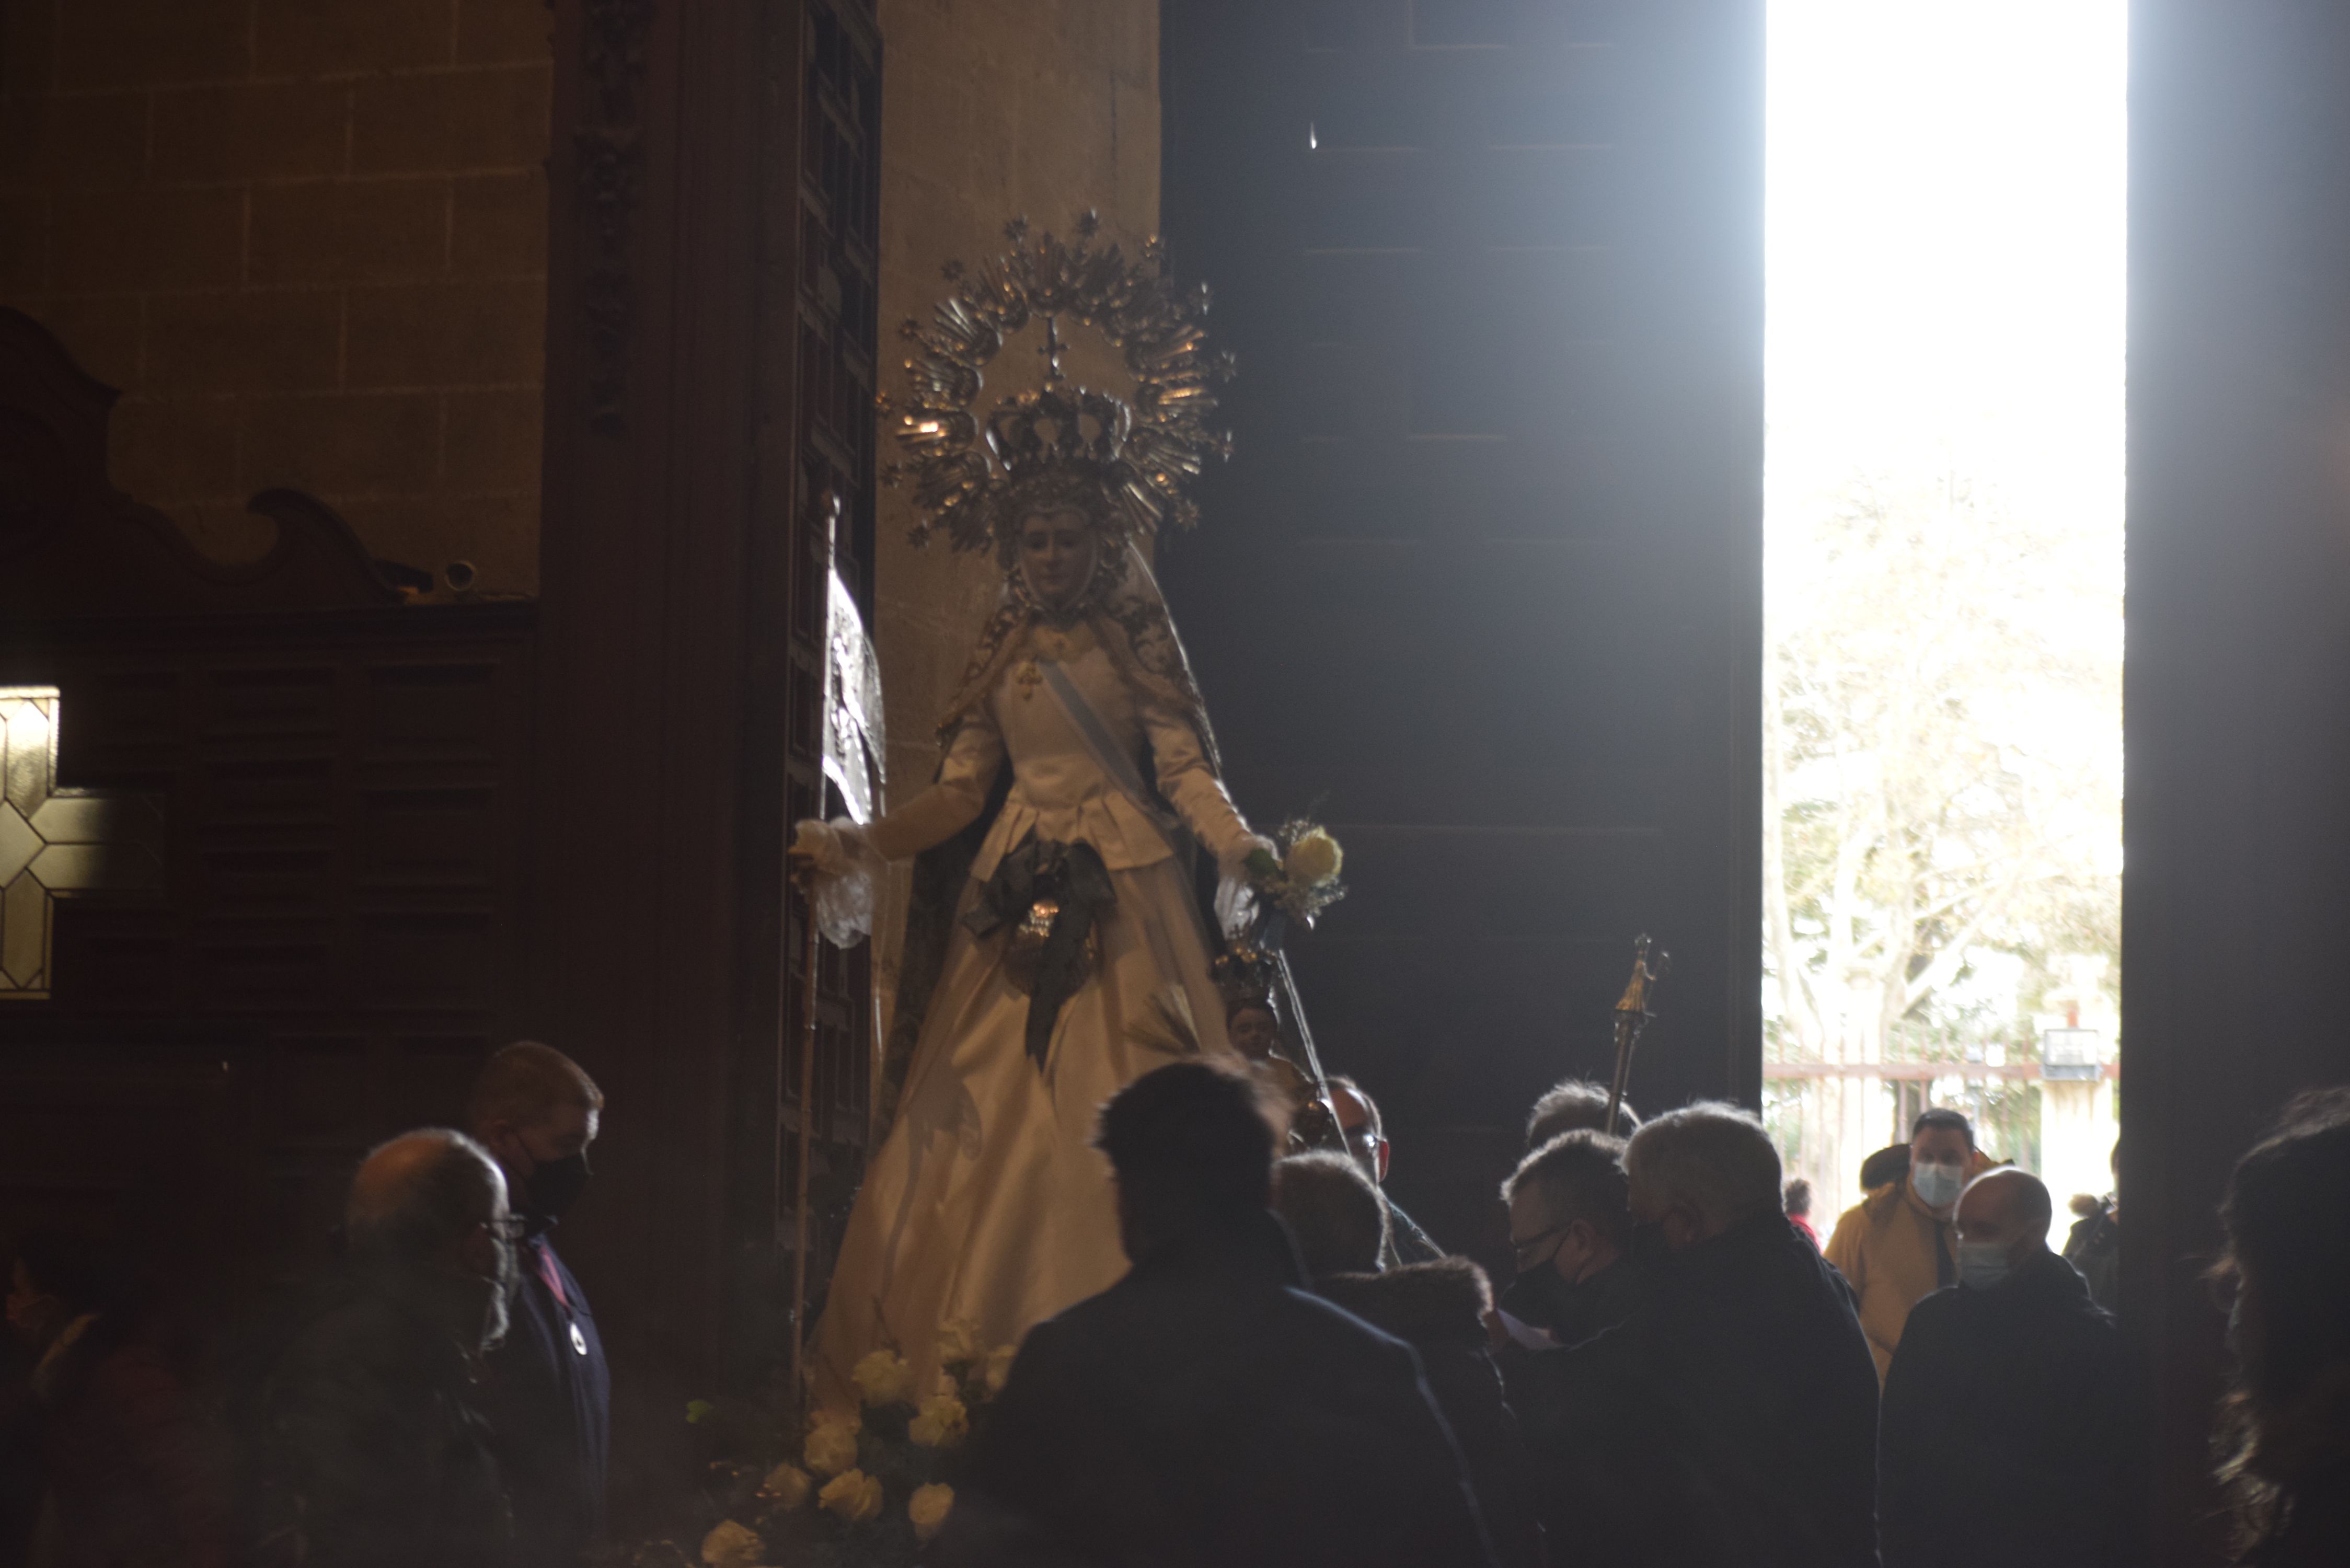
609,142
71,546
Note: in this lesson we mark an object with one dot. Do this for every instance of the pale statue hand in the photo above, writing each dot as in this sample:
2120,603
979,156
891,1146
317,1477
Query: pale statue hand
1256,844
816,850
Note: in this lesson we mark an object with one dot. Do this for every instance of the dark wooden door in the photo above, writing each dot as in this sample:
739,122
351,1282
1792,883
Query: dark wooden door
259,889
1484,574
710,373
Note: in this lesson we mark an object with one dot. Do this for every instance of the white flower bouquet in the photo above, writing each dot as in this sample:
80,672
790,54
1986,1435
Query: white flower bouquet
1301,881
834,1489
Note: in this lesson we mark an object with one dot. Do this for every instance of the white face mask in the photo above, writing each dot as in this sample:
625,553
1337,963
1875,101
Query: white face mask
1984,1265
1937,1185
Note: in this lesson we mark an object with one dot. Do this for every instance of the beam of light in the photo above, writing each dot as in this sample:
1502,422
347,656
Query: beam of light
1945,245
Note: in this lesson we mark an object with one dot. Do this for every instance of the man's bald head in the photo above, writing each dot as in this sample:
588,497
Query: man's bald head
421,1195
2006,1207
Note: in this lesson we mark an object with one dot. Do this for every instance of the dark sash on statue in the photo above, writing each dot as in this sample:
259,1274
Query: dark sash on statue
1047,896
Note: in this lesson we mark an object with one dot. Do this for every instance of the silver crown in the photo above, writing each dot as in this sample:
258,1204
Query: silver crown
967,473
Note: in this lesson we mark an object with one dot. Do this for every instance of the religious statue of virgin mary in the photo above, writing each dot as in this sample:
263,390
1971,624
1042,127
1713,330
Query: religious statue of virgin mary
1057,946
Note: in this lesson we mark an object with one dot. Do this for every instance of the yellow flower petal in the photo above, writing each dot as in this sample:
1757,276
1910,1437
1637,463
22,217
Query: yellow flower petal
928,1507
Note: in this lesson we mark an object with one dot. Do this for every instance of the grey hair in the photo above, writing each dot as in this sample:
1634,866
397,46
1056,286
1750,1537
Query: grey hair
1711,1155
417,1194
1333,1209
1574,1104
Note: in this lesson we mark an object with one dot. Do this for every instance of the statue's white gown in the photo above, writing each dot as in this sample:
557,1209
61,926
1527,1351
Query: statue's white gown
986,1201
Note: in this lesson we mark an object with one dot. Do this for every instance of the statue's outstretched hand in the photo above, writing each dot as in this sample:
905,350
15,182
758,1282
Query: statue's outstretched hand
834,864
816,850
1255,857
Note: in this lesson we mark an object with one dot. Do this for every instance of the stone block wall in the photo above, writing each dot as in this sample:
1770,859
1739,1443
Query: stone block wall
989,110
308,241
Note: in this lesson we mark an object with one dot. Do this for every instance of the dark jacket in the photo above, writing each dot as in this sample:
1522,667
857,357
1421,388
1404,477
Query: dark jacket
2316,1531
1573,1314
1731,1420
1203,1412
548,1401
2010,1424
1439,1309
372,1452
136,1476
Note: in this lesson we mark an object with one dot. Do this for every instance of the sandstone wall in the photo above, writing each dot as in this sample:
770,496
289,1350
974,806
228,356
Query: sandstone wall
990,108
308,240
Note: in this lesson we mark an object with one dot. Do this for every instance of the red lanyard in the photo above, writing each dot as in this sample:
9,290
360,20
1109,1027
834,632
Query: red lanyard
552,1277
550,1274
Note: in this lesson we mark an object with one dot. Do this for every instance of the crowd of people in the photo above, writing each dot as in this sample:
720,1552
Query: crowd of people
440,1396
1677,1373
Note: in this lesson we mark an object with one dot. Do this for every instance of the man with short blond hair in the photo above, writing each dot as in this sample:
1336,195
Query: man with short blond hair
548,1393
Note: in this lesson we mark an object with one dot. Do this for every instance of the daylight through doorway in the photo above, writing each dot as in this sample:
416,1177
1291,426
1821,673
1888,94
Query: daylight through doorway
1942,678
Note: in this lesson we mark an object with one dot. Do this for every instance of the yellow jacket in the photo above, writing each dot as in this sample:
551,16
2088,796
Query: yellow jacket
1883,1247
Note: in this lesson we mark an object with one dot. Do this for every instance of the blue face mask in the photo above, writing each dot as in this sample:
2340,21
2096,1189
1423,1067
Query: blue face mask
1984,1265
1938,1186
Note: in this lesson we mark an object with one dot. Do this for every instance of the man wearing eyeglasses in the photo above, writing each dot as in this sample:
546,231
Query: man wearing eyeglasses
1364,1131
1570,1229
372,1453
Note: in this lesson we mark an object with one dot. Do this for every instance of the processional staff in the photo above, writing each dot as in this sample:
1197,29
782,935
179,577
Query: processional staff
1632,1018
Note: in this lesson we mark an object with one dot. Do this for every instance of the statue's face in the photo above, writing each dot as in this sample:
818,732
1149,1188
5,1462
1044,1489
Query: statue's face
1056,556
1253,1033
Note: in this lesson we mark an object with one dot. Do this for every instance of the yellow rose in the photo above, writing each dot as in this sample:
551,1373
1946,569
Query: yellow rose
786,1486
732,1545
853,1495
928,1509
883,1377
959,1343
999,1367
942,1423
831,1444
1313,859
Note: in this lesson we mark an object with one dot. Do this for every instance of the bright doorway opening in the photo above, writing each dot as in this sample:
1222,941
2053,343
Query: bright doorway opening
1942,729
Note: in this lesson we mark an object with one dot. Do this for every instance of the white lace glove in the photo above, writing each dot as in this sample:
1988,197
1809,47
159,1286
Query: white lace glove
1236,889
1235,867
844,878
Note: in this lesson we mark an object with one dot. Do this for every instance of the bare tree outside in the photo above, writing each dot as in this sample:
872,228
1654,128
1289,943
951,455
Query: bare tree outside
1942,702
1942,747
